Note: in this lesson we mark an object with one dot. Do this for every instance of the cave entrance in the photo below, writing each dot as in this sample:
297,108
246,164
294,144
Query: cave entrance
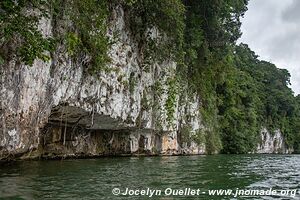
72,131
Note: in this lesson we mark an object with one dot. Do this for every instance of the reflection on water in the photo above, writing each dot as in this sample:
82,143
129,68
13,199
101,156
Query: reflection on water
95,178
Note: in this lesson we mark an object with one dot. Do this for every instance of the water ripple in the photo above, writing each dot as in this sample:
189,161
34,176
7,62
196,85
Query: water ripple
95,178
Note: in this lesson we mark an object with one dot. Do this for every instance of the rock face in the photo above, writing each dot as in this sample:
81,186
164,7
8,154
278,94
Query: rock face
56,109
272,143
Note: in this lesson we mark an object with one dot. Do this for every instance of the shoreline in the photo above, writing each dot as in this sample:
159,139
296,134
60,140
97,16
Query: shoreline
83,157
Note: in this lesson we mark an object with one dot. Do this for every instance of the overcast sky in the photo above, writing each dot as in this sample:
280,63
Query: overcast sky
272,29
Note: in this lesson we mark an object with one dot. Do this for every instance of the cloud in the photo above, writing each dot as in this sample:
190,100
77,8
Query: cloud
292,14
272,30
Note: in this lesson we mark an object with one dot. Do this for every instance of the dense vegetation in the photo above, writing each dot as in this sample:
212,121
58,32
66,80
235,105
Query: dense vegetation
240,93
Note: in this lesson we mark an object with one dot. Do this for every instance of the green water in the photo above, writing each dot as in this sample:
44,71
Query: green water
95,178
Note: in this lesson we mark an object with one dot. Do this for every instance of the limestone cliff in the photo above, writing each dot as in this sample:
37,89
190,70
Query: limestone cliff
55,109
272,143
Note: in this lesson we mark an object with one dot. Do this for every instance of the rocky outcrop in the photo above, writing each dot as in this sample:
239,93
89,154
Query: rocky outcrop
272,143
55,109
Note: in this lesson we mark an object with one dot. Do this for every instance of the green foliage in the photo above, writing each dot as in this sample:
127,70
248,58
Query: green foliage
166,16
145,104
277,107
132,83
1,60
237,111
72,42
255,95
20,37
213,142
172,97
212,27
86,32
185,135
239,93
199,137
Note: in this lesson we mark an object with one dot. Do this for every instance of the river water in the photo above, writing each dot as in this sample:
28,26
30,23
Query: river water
177,177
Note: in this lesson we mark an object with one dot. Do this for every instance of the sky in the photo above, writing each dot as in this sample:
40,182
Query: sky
271,28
